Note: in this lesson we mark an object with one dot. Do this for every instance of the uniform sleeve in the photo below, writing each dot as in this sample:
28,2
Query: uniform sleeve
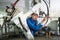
32,26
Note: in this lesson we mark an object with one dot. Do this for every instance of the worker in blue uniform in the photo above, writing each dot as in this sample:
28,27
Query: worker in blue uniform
33,24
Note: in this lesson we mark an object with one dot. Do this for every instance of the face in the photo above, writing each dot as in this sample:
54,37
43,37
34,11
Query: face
34,17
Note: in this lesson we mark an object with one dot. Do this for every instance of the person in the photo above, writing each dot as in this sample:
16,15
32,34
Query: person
33,24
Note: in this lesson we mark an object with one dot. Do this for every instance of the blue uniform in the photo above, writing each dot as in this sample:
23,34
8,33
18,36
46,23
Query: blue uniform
33,26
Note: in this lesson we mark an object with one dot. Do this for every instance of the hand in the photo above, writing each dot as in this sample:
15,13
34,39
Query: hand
42,22
46,16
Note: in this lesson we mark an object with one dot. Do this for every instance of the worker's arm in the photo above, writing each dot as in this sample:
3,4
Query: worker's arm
32,26
44,19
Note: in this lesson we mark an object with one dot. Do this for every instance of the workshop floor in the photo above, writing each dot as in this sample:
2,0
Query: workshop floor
36,38
51,38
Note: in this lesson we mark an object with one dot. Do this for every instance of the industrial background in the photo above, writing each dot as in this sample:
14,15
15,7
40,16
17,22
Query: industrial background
10,31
